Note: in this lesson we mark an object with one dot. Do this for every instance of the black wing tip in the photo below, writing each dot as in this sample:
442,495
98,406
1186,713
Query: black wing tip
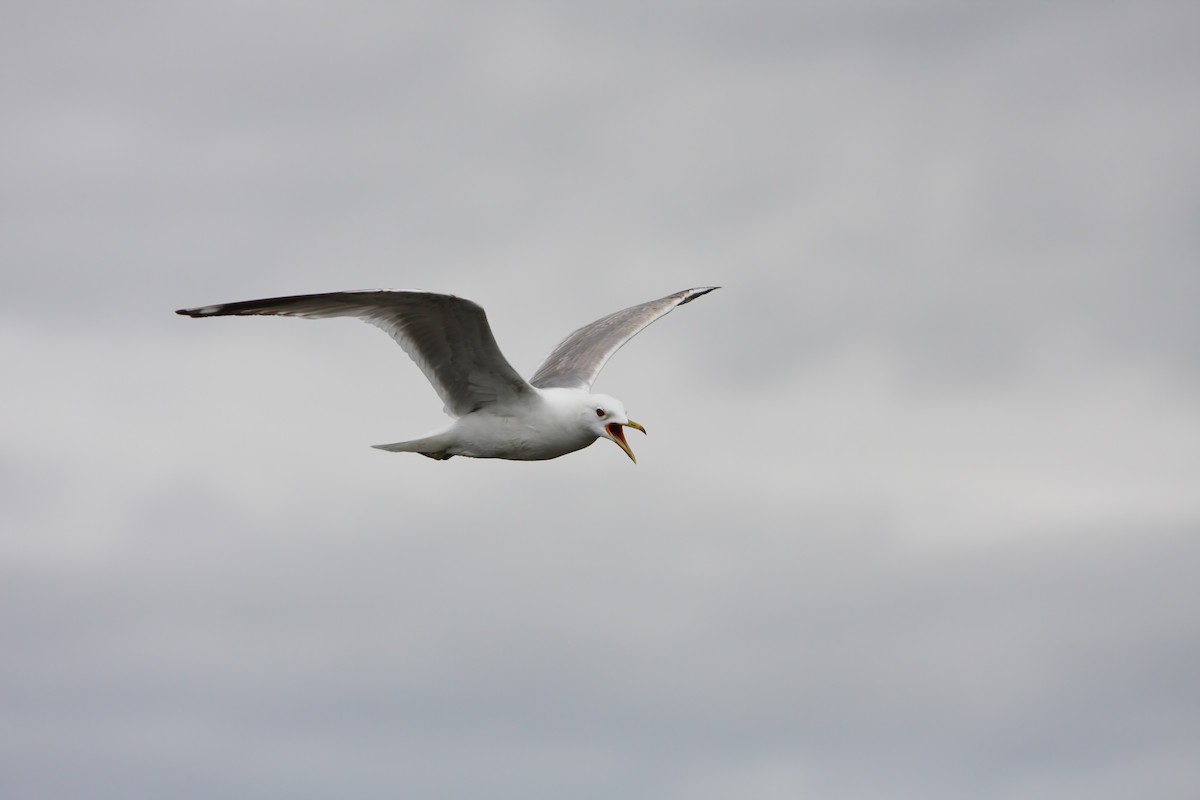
202,311
697,292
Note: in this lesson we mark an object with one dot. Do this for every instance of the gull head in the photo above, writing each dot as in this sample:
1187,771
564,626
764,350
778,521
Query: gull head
605,416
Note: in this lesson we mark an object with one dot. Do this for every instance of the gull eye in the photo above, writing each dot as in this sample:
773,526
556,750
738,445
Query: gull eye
599,412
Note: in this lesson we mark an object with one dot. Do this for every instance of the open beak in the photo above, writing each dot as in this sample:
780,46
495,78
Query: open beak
617,434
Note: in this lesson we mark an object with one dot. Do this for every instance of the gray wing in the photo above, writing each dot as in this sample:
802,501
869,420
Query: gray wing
448,337
577,360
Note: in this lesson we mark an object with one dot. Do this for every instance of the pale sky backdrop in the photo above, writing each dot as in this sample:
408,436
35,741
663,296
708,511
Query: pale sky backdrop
918,515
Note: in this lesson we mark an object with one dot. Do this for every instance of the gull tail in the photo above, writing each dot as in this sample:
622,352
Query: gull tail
430,447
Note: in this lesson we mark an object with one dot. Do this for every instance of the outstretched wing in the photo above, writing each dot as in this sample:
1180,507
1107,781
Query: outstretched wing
577,360
448,337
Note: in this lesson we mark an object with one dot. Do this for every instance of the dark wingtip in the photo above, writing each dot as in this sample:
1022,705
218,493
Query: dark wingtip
202,311
698,293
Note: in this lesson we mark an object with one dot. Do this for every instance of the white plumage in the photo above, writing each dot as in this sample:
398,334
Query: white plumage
497,413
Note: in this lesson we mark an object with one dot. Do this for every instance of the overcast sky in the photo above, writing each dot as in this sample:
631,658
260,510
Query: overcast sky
918,512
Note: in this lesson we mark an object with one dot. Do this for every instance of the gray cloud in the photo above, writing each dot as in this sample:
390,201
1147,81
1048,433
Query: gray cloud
917,508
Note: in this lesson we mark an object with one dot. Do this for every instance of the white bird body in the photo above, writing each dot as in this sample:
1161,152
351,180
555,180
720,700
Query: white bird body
497,413
543,427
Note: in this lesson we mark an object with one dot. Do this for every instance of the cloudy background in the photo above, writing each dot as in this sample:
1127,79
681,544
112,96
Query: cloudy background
918,515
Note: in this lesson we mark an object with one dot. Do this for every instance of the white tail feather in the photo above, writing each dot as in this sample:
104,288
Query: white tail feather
428,447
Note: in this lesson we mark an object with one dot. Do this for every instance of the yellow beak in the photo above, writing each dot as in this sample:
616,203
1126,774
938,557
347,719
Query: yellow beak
617,434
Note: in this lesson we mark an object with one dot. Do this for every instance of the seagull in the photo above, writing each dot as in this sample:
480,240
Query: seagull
496,412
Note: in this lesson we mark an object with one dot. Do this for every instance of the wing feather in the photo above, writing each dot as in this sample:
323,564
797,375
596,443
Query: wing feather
448,337
578,359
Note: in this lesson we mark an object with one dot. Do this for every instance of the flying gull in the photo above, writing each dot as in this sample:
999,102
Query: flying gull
497,413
